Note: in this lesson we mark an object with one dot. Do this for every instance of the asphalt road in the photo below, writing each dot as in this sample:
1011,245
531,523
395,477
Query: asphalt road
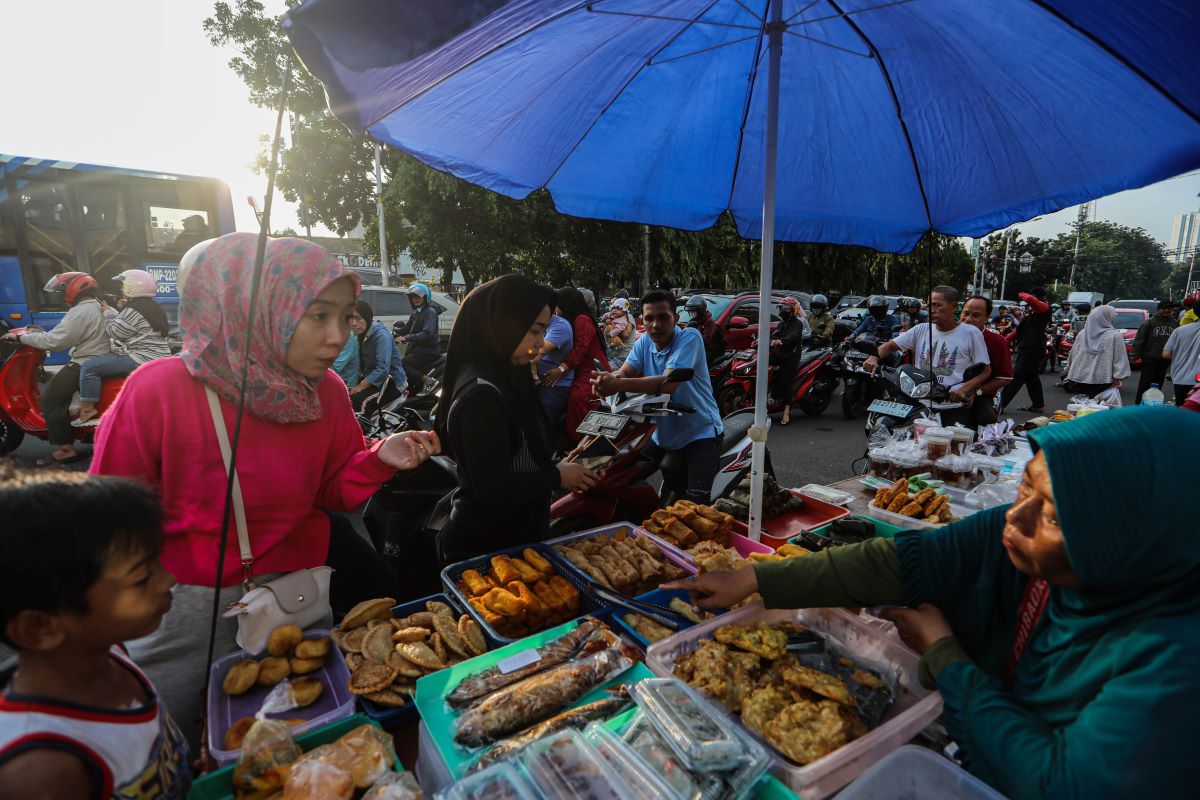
809,450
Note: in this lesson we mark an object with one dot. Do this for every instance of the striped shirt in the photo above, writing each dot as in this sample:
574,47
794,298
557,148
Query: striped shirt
133,336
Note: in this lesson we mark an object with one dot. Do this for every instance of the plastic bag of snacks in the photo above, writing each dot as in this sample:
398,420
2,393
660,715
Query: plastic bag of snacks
395,786
268,752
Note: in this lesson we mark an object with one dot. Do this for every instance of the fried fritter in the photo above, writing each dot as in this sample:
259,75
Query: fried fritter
760,639
806,731
537,561
241,677
283,639
818,682
762,705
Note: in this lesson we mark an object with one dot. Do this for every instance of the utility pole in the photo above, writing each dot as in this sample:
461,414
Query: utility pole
645,259
1004,278
383,254
1079,223
1187,285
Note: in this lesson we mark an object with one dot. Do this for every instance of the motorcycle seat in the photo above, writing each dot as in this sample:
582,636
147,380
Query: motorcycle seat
737,425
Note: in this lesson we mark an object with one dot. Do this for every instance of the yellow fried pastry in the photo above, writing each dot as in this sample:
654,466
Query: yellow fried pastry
306,690
505,571
370,678
303,666
530,600
474,584
806,731
565,590
404,668
924,496
911,510
821,683
898,502
380,608
313,648
283,639
759,639
240,677
504,603
489,616
413,634
472,634
550,598
538,561
528,573
271,671
421,654
237,733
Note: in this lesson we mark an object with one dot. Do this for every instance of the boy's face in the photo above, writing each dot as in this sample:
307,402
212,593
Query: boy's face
127,601
660,320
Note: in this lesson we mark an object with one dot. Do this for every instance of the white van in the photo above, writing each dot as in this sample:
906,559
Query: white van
391,305
1088,298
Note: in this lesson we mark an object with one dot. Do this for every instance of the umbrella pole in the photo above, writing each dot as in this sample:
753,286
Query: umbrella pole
758,433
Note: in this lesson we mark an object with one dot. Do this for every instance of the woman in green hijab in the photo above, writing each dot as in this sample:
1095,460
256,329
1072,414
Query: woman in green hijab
1063,631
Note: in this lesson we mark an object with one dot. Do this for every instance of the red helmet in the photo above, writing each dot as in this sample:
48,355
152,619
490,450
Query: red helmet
70,284
1191,299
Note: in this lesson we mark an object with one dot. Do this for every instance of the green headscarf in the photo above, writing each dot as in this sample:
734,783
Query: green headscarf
1107,694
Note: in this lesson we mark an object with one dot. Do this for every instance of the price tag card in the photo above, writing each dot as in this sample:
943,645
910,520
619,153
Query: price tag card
515,662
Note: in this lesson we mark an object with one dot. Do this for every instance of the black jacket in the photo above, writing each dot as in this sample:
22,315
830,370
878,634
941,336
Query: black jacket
421,332
791,333
1152,337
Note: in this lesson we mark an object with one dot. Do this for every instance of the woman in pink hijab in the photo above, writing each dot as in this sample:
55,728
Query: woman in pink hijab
301,453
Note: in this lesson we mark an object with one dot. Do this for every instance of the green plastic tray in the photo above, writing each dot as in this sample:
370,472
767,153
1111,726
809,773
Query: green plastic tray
219,785
439,717
883,530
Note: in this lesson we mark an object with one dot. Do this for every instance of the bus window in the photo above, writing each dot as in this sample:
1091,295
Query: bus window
49,237
102,214
8,228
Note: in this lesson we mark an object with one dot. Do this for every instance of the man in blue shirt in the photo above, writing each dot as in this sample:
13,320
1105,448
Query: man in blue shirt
557,344
665,346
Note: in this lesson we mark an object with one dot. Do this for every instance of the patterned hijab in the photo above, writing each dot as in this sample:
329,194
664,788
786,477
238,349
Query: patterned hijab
215,310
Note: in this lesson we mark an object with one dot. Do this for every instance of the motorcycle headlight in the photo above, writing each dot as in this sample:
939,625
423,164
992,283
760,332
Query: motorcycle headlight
908,385
746,370
920,390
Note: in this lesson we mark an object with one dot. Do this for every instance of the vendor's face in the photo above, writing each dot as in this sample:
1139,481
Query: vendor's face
1032,535
323,331
975,313
660,321
531,346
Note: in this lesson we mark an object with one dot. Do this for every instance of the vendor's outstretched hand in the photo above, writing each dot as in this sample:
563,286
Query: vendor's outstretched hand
410,449
714,590
919,627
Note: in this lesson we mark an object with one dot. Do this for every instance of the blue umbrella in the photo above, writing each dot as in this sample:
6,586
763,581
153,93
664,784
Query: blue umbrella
866,122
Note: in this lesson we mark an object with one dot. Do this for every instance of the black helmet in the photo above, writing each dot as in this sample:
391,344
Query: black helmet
819,301
696,305
877,306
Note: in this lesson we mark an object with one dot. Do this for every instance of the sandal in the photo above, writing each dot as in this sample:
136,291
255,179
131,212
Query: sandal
58,462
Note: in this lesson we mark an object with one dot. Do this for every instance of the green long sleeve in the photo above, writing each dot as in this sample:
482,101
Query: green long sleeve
866,574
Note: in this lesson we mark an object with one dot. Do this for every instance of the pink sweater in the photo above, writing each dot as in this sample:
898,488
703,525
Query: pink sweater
160,431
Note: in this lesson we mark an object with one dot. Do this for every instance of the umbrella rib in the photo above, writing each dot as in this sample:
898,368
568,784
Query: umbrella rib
883,70
828,44
1119,58
673,38
705,50
690,22
842,14
812,3
753,78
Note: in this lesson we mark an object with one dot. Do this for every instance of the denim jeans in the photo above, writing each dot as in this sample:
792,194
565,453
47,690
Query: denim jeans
93,372
702,459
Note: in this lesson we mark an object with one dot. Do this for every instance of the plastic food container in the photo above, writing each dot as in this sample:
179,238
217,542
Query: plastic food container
913,708
917,772
673,553
911,523
650,746
687,722
431,770
564,766
452,573
826,494
499,781
641,782
658,597
937,443
880,463
334,703
919,426
961,438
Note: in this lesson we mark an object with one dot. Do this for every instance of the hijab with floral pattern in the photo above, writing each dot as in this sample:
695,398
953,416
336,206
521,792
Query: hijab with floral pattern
215,311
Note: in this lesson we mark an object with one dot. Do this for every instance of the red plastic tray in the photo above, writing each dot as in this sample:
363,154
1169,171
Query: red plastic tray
777,530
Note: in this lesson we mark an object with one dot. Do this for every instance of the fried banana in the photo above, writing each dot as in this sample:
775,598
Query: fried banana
911,510
565,590
899,502
936,505
505,571
474,583
537,561
924,496
504,603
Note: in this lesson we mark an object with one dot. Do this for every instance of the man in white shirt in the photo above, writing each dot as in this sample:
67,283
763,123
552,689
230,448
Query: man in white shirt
956,348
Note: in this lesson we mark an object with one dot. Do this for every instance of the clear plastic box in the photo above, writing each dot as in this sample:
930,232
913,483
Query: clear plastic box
911,523
917,772
564,766
913,709
497,781
689,724
643,783
432,772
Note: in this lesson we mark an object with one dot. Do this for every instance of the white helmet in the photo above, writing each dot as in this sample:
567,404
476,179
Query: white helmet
137,283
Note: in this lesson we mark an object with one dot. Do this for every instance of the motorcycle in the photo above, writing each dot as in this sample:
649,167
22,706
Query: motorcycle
22,376
906,393
812,387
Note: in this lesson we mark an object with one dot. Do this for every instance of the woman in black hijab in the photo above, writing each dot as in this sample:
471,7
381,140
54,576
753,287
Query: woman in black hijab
492,422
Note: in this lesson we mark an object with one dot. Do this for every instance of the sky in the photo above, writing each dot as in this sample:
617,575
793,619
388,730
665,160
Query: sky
135,83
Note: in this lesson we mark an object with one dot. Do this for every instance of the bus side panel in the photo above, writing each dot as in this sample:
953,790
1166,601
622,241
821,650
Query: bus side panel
15,308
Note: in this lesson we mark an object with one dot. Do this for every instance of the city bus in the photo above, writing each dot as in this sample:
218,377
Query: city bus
62,216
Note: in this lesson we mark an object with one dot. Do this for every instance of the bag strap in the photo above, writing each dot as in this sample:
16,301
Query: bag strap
239,508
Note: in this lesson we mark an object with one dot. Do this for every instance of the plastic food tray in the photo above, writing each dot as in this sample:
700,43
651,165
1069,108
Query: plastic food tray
451,574
500,780
334,703
386,715
912,524
660,597
218,785
673,553
913,709
826,494
564,766
883,530
777,530
915,771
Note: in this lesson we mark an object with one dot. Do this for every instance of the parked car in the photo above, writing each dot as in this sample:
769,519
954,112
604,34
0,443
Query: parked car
1149,306
803,298
857,311
391,305
738,316
1092,299
1128,320
847,301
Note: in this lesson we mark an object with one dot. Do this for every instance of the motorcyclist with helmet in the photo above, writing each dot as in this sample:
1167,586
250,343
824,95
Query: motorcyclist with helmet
421,335
909,313
701,318
820,321
786,345
82,329
877,322
138,328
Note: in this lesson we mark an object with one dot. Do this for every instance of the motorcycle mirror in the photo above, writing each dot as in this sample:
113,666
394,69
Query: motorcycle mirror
680,375
738,322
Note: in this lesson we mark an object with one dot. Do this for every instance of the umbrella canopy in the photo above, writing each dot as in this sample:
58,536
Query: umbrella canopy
865,122
896,118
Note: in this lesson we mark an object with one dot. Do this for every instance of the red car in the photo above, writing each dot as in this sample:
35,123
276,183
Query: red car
1127,321
737,315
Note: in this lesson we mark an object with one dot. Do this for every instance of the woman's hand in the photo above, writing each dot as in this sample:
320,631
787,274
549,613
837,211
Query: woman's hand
919,627
410,449
714,590
575,477
552,377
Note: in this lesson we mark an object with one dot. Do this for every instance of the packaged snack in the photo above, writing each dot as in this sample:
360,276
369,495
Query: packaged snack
395,786
267,753
689,724
649,745
642,782
564,766
498,782
318,779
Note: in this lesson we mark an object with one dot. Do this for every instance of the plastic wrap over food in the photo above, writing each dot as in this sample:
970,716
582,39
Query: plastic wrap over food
498,782
268,751
318,779
395,786
643,783
650,746
689,724
565,767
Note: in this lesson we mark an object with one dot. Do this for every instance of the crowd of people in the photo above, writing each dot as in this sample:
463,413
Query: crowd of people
110,577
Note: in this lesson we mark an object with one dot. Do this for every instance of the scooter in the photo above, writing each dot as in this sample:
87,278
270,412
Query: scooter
614,439
812,387
21,379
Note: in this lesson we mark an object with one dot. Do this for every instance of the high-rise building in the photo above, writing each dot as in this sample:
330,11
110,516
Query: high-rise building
1185,237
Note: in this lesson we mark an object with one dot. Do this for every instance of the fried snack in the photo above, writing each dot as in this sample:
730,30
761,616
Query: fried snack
937,504
529,573
353,660
650,630
421,654
438,647
489,616
378,644
504,603
371,678
241,677
271,671
806,731
818,682
504,570
680,532
422,619
882,497
237,733
944,514
653,526
683,609
763,704
924,496
662,516
306,690
379,608
303,666
911,510
566,591
550,598
706,528
474,584
898,502
868,679
472,635
932,520
283,639
532,603
759,639
404,668
413,634
580,560
352,641
537,561
313,648
900,487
